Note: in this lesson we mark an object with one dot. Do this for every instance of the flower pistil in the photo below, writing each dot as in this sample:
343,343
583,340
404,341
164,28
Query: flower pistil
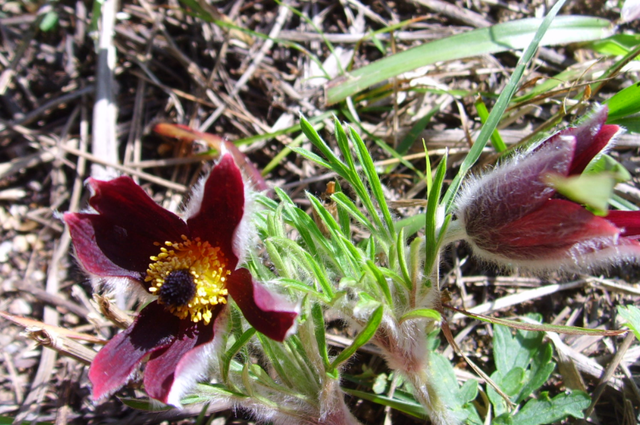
189,278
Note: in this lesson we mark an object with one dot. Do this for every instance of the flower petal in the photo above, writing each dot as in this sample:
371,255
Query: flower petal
183,357
97,247
547,234
221,209
116,362
127,205
592,137
628,221
268,313
514,189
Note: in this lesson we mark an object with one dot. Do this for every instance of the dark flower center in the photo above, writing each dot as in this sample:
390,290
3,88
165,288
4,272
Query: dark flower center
189,278
178,288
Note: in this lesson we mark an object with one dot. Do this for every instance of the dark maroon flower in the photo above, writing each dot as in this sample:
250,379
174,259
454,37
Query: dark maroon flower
512,216
189,266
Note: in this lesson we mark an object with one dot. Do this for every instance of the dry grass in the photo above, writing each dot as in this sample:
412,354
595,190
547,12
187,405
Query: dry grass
171,67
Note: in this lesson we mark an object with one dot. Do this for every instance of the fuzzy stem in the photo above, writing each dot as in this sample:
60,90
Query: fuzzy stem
405,348
334,409
426,393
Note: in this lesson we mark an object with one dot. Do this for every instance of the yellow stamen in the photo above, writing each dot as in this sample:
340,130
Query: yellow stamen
207,267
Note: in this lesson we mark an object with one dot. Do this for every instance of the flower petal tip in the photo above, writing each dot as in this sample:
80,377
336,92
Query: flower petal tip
269,313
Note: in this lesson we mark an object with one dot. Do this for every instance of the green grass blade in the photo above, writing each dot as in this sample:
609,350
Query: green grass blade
483,113
507,94
513,35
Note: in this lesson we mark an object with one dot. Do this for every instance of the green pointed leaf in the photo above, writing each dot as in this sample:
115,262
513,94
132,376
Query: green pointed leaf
624,103
319,327
422,313
235,348
348,205
412,408
631,315
606,164
363,337
374,181
592,190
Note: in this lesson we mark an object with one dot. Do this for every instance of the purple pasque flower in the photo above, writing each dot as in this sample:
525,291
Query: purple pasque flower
512,216
189,266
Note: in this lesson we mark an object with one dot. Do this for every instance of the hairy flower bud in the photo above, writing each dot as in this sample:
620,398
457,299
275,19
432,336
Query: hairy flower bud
512,217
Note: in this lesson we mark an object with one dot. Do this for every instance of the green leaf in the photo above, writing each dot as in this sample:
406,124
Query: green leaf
497,38
631,315
343,255
149,405
319,327
616,45
498,402
538,377
281,361
513,381
49,21
624,103
606,164
592,190
144,404
468,391
303,288
631,123
432,248
422,313
514,351
446,383
363,337
412,408
312,156
231,352
217,390
348,205
343,214
383,285
374,181
411,225
380,383
550,411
